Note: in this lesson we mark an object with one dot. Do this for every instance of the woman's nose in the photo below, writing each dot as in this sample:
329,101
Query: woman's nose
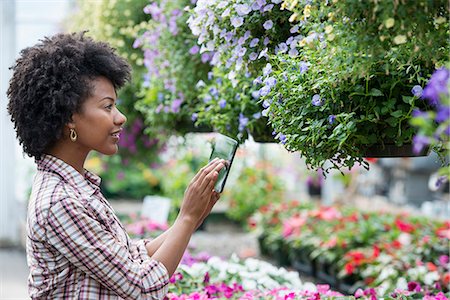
120,118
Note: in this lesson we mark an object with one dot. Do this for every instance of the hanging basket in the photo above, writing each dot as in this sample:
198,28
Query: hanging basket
186,126
392,150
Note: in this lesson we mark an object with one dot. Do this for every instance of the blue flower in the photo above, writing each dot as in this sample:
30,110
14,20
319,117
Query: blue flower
222,103
282,138
264,90
436,86
331,119
417,91
303,67
255,94
257,115
265,104
254,42
419,143
268,24
237,21
443,114
316,100
271,82
243,121
243,9
253,56
267,69
194,117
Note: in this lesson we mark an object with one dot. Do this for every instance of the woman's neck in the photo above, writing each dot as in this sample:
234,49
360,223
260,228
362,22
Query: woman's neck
70,154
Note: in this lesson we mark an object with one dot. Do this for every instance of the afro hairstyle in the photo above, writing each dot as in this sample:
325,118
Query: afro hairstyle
50,82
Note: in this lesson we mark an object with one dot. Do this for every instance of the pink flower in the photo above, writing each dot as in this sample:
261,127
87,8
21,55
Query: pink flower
359,293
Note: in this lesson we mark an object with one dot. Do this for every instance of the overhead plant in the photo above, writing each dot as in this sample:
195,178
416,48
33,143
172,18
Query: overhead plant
350,86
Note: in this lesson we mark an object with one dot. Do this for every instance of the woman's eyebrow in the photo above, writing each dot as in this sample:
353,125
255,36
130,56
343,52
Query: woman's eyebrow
108,98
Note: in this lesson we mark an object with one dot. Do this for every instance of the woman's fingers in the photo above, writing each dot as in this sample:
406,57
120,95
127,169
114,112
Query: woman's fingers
204,169
209,180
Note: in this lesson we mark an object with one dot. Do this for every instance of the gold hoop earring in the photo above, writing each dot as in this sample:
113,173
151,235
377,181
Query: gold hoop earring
73,135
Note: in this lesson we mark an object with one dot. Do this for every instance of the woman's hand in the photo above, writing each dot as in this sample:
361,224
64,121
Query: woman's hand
200,197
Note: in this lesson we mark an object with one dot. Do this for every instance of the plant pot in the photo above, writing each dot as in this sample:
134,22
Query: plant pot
263,134
326,272
392,150
281,256
263,250
302,263
315,191
186,126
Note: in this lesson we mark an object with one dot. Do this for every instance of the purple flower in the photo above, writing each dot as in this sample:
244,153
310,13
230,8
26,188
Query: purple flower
439,182
237,21
419,143
331,119
417,91
207,98
257,5
137,43
176,105
194,50
255,94
268,8
282,48
243,121
205,57
214,92
257,115
282,138
293,52
265,104
120,176
414,286
418,113
316,100
294,29
243,9
254,42
266,40
267,69
437,86
443,114
253,56
194,117
222,103
443,260
264,90
303,67
271,82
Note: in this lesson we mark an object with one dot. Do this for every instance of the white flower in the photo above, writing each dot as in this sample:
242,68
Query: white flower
248,284
402,284
404,238
431,278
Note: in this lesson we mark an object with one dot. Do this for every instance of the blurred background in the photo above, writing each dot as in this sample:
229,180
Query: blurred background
155,161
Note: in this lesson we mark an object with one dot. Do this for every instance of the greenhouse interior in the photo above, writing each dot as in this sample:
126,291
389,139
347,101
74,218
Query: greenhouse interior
327,192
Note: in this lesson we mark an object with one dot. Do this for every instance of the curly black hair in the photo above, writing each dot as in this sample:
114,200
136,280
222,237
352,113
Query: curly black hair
50,82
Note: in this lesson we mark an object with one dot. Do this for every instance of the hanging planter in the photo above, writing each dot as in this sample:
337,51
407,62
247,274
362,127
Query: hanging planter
392,150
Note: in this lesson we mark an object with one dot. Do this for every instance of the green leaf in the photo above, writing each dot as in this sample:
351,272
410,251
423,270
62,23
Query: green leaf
408,99
397,113
376,93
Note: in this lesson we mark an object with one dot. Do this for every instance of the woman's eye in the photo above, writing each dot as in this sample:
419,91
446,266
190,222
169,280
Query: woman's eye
109,107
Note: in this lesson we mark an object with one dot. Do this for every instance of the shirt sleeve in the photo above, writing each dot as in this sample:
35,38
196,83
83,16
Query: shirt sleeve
94,250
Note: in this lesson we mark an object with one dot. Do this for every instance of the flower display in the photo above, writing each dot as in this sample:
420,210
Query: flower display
434,124
342,92
366,249
173,66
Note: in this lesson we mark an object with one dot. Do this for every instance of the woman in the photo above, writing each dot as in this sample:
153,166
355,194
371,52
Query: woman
62,101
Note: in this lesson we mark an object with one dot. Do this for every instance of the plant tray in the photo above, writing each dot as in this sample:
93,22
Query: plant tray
392,150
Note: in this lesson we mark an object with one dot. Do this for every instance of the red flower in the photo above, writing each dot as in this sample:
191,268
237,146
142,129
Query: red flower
403,226
432,267
376,251
349,268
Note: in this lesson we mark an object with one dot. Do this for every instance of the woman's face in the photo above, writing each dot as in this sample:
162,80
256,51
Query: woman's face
99,123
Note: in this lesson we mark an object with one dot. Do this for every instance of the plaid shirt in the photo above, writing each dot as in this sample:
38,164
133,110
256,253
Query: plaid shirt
76,246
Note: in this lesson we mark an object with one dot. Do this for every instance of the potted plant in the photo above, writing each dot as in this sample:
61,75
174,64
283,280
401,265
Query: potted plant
349,85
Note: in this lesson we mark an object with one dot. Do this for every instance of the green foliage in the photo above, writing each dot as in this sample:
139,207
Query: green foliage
361,59
255,187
